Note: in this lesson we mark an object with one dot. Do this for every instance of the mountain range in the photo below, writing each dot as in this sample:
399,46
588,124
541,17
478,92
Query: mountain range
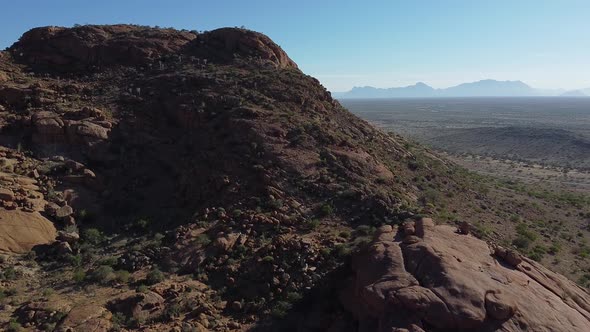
483,88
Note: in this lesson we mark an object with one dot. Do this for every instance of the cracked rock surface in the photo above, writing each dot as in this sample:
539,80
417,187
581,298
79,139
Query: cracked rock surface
430,277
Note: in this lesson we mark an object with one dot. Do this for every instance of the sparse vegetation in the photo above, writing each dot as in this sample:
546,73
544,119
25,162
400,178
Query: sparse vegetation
155,276
92,236
122,276
103,275
326,210
13,326
202,239
79,275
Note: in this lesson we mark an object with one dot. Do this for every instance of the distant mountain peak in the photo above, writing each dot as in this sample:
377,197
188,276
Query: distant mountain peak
482,88
574,93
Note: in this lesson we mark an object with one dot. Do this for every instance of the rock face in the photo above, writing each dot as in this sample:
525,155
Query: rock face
141,306
93,47
21,224
20,231
87,47
226,43
86,318
440,279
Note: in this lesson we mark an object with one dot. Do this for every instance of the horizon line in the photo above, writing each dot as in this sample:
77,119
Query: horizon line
451,86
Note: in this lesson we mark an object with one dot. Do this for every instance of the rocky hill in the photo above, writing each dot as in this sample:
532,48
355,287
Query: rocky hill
155,179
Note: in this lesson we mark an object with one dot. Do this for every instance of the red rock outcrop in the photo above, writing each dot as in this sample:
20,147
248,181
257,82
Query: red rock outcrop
22,226
85,47
91,317
434,278
227,43
93,47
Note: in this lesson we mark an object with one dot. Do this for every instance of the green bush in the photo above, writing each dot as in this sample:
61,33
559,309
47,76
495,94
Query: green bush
31,256
523,230
48,326
555,248
538,252
280,309
8,273
155,276
430,196
521,242
103,274
203,239
584,280
118,319
79,275
344,234
294,297
92,236
141,224
342,250
583,251
313,223
109,261
326,210
268,259
74,260
173,311
364,230
158,237
122,276
275,204
13,326
48,292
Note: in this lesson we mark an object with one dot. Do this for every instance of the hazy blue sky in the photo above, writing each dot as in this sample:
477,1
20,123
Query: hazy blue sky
381,43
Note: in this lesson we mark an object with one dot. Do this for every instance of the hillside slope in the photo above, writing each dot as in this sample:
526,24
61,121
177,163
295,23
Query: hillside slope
201,181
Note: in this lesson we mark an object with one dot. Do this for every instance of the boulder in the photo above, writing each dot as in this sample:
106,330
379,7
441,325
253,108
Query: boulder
86,317
140,306
225,43
69,237
48,128
85,132
464,228
6,195
451,281
51,209
85,113
20,231
64,211
40,313
74,166
226,242
63,248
